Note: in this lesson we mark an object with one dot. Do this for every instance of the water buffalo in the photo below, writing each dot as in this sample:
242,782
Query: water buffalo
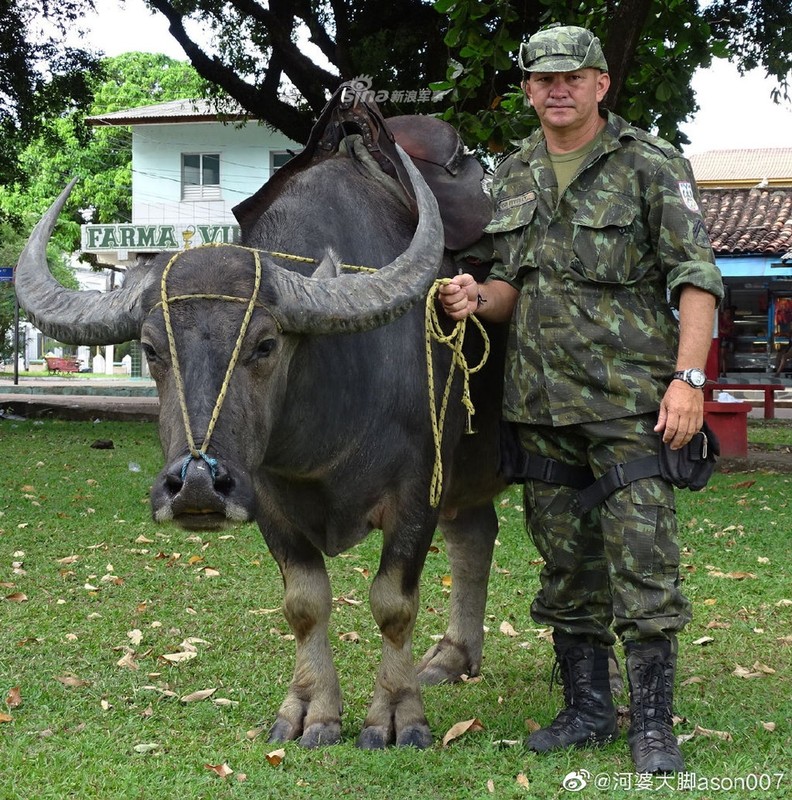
296,395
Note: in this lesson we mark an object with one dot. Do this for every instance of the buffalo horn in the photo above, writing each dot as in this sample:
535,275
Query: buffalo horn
358,302
68,315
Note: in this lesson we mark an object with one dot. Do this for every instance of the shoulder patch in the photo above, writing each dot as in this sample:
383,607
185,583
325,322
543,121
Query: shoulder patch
686,193
519,200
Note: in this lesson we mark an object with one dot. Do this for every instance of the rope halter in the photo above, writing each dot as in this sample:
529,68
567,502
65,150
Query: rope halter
196,453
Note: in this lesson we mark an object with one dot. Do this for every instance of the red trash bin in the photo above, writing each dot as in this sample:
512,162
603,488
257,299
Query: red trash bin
729,422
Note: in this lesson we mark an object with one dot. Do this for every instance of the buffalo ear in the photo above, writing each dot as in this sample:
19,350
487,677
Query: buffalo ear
330,266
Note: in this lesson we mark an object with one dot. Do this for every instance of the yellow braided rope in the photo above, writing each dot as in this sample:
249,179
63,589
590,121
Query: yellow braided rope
165,301
454,340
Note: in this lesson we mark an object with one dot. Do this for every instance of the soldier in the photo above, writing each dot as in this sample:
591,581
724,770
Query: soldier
598,235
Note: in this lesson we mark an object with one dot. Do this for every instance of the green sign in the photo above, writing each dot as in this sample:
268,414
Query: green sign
154,238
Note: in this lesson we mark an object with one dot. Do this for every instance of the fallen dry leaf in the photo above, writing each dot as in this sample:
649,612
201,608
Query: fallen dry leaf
254,733
135,637
14,699
507,629
461,728
352,636
201,694
72,681
704,640
758,670
737,576
221,770
224,702
5,717
491,786
349,601
181,657
690,681
445,581
769,726
17,597
275,757
523,781
145,748
127,661
707,733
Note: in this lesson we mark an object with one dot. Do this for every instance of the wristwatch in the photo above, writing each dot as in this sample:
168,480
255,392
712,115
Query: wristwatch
694,377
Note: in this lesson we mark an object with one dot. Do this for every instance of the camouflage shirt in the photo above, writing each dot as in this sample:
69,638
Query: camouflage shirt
593,336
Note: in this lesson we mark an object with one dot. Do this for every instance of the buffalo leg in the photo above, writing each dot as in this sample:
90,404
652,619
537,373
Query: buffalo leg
470,539
396,713
312,708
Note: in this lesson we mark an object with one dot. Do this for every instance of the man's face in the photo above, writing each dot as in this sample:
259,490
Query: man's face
567,100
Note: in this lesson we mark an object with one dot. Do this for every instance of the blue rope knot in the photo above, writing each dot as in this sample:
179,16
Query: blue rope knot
211,463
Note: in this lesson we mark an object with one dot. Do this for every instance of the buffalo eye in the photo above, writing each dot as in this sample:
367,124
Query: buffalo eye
264,348
149,352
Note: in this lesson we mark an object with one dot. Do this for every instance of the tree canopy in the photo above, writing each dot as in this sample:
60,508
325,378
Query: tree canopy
466,48
39,76
280,59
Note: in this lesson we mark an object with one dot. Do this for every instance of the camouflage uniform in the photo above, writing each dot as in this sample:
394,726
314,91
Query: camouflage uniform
592,347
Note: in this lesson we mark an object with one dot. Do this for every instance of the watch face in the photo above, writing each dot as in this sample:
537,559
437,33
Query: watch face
696,378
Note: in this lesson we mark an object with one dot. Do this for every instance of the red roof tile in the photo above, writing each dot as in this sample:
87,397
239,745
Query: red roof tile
748,221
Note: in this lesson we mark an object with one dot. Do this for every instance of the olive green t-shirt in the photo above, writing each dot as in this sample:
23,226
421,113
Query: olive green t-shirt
565,165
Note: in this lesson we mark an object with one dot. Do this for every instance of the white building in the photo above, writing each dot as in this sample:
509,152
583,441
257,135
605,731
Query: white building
190,167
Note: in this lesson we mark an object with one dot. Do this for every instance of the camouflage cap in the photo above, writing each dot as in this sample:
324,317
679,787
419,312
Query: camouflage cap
562,49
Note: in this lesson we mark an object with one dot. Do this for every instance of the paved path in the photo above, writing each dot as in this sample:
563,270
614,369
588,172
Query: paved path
79,398
122,399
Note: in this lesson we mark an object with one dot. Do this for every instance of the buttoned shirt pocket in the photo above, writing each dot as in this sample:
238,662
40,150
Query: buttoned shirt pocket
509,227
607,241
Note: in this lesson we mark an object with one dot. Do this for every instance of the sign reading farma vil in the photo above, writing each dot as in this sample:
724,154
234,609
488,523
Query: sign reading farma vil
154,238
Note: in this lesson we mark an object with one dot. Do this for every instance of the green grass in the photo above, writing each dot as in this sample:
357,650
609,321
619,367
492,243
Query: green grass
61,499
775,432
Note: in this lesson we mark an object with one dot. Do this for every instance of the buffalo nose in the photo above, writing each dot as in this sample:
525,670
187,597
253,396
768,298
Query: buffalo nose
203,472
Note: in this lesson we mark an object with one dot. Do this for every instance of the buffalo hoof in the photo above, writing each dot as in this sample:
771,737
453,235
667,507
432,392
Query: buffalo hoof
321,734
446,662
283,731
375,737
418,736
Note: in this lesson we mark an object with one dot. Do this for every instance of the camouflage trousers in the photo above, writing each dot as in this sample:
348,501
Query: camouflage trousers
616,569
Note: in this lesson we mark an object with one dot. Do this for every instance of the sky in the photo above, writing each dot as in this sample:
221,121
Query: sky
736,112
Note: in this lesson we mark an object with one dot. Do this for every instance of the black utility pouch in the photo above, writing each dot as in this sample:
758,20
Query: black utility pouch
691,466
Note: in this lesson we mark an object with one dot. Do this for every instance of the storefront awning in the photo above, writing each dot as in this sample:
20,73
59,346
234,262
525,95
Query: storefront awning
753,267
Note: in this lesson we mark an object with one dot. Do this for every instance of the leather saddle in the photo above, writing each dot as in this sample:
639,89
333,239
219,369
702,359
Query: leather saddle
433,145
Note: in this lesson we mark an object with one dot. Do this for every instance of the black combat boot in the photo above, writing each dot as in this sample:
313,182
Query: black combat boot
589,716
650,670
